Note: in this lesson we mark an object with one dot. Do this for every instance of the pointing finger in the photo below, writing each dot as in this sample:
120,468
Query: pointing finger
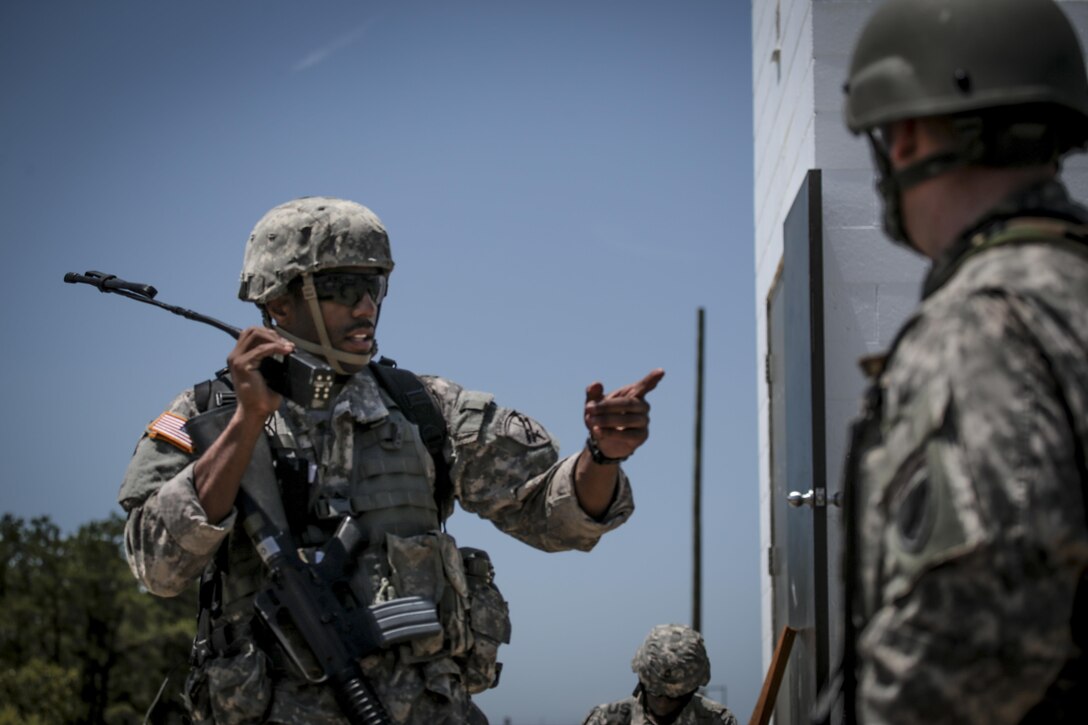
648,383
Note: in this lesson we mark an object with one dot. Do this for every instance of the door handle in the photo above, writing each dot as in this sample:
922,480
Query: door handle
798,499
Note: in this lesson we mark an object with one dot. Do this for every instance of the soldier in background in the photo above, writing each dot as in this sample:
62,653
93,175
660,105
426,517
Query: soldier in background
318,269
967,539
671,666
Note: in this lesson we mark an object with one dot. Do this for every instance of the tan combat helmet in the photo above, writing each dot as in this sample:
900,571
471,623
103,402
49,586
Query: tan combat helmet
672,661
301,238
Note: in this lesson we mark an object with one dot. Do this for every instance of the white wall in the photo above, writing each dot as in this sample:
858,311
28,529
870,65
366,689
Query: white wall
801,49
1076,169
785,149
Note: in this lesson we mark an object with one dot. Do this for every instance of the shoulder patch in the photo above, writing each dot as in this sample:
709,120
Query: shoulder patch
914,509
525,430
170,427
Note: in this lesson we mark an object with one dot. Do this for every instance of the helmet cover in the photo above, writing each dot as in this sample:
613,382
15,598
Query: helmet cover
308,235
672,661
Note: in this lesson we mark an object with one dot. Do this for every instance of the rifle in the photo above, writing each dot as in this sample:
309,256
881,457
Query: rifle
318,622
300,376
308,602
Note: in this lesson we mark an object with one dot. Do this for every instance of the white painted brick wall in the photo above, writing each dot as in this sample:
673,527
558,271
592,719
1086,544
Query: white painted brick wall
784,151
801,50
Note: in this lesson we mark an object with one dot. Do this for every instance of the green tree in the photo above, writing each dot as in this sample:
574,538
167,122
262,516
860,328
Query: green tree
39,691
30,590
80,640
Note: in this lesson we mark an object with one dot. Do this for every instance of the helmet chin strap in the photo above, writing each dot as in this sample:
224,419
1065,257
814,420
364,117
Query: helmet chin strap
969,148
894,182
331,355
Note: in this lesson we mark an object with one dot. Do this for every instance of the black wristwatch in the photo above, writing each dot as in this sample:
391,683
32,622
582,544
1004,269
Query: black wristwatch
599,457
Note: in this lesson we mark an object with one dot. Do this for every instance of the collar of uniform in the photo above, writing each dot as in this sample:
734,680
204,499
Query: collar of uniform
1048,199
361,399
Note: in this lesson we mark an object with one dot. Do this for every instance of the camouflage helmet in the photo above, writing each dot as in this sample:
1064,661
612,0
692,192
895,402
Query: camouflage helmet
308,235
917,58
672,661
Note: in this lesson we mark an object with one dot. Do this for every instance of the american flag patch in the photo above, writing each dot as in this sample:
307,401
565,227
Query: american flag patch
170,427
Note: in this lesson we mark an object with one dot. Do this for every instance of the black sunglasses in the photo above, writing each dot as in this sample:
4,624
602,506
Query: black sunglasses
348,288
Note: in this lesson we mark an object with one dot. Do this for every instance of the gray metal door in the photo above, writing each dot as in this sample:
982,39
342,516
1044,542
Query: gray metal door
795,376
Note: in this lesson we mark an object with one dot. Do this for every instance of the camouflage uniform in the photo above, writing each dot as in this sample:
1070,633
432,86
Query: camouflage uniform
361,457
966,527
503,466
700,711
971,474
671,662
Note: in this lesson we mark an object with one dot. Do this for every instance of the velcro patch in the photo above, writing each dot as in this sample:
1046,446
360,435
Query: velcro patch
525,430
170,427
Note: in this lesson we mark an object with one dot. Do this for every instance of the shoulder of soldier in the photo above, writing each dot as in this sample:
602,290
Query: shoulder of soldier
456,403
183,406
163,446
986,318
184,403
444,391
1042,258
713,712
613,713
1027,267
1005,297
475,415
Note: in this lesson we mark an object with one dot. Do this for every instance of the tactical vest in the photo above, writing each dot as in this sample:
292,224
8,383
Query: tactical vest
1066,700
389,489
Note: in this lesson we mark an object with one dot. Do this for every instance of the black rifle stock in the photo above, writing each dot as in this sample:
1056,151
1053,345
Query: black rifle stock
307,605
300,376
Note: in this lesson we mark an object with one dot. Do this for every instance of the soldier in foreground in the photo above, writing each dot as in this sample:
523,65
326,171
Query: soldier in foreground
351,495
671,666
967,535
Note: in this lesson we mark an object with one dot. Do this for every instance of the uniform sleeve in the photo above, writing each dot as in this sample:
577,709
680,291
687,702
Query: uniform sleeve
705,710
505,467
725,716
594,717
615,713
982,537
168,538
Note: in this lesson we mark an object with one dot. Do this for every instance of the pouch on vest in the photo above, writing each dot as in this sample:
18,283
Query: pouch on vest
489,620
429,565
232,689
475,617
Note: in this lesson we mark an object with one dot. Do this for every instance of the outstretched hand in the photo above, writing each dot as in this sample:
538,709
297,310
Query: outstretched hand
620,421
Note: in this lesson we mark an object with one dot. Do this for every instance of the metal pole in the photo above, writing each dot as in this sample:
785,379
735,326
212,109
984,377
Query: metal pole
697,498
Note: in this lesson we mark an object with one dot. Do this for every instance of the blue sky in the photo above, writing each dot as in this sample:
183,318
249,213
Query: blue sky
564,183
